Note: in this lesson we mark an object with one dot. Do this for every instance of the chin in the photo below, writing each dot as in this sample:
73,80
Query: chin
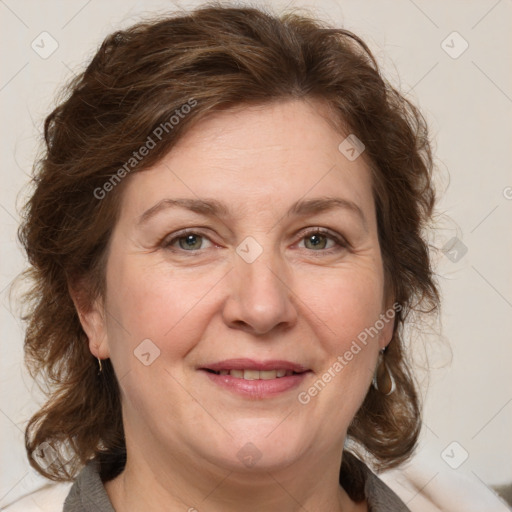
268,444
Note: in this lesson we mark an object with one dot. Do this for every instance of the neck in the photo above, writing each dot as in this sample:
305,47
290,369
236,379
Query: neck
159,482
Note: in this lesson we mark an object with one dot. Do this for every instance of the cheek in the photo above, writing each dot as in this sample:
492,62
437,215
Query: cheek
156,303
346,309
349,306
346,301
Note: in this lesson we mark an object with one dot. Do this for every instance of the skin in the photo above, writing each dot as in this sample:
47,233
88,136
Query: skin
297,301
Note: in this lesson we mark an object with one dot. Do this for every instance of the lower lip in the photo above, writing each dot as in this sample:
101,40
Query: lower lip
257,388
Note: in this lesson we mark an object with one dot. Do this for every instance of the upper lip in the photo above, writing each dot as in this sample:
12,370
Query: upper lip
251,364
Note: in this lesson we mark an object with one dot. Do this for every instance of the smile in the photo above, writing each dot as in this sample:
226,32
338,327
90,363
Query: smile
256,384
256,374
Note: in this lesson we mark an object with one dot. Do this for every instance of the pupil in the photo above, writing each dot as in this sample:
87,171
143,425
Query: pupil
190,241
315,240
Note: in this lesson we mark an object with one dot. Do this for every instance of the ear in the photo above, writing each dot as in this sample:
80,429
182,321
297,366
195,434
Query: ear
92,318
389,319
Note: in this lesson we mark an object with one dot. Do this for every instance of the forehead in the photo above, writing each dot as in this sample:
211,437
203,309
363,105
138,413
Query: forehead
256,157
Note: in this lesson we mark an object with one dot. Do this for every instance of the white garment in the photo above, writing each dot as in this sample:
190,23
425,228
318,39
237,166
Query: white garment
427,484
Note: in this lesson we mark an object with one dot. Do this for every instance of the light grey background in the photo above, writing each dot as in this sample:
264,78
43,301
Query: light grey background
468,103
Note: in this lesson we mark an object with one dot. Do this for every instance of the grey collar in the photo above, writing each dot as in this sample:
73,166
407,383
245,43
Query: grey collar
88,493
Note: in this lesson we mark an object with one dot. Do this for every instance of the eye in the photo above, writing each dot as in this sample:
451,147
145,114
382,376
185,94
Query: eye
187,240
318,240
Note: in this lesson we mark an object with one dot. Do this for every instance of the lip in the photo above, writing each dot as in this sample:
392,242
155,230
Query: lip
251,364
256,388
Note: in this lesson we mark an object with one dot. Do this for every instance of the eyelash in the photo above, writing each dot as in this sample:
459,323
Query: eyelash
340,241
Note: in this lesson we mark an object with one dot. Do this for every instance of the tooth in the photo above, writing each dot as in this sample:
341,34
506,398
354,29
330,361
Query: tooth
251,374
257,375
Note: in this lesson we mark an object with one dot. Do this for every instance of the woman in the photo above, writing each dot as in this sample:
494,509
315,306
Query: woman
226,240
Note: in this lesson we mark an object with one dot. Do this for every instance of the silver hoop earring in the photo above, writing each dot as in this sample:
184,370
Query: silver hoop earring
383,380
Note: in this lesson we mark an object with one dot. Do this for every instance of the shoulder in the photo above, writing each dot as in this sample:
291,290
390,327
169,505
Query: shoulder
424,485
48,498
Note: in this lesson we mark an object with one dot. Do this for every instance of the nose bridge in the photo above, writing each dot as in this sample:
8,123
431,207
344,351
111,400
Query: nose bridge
260,296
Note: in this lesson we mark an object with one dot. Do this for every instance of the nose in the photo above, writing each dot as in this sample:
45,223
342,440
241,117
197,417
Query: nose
260,297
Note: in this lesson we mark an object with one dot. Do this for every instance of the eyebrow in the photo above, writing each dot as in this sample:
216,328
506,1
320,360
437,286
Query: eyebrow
214,208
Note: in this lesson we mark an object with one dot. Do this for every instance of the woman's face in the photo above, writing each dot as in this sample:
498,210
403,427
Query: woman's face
251,279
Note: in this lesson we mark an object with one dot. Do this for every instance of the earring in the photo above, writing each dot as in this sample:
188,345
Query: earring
383,380
100,366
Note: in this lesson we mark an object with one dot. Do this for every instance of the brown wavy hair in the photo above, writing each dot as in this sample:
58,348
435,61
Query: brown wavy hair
222,57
